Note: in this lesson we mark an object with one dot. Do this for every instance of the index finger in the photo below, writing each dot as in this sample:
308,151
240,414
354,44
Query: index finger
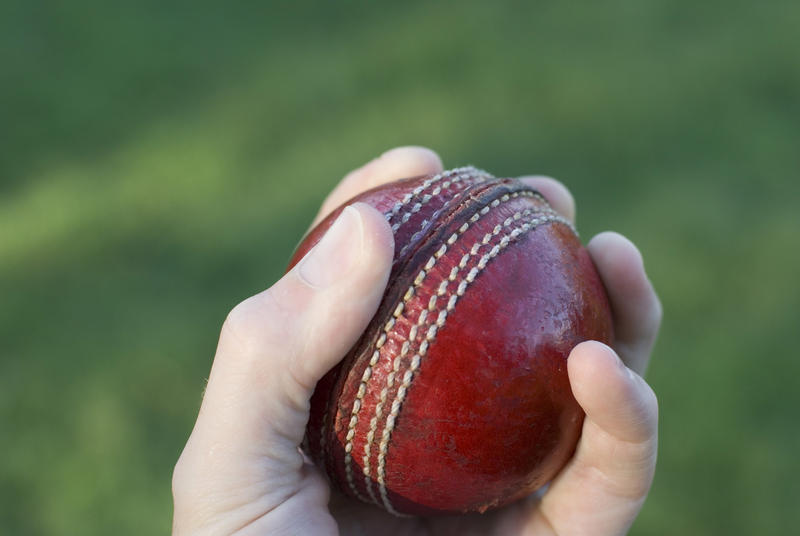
555,192
397,163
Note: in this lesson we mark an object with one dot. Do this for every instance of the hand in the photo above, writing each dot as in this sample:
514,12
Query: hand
242,472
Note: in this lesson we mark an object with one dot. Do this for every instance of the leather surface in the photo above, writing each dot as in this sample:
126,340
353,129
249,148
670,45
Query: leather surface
456,398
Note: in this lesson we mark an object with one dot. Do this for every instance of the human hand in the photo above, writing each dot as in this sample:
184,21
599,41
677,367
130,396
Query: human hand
242,471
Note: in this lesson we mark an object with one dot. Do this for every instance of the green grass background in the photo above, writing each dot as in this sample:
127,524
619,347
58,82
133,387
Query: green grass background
159,161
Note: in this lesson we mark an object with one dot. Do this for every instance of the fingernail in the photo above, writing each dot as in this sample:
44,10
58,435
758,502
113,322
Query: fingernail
334,255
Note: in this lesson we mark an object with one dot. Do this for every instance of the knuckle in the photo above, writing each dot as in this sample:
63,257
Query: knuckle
179,477
239,317
260,322
244,326
237,326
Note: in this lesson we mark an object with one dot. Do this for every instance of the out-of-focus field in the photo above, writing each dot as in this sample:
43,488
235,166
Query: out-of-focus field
158,163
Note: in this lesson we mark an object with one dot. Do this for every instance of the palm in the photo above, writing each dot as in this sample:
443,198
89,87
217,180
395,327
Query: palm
241,470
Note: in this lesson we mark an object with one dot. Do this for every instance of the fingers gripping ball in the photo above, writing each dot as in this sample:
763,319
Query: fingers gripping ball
456,397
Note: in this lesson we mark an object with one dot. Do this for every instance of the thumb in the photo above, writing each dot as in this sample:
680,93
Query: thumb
273,349
277,344
604,486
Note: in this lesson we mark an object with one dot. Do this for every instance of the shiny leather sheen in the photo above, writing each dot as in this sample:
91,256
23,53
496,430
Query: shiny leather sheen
487,416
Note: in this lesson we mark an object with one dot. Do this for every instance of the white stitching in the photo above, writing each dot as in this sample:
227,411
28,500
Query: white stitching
454,175
429,337
390,325
471,172
390,379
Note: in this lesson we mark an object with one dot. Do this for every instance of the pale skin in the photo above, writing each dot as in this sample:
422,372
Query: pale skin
241,471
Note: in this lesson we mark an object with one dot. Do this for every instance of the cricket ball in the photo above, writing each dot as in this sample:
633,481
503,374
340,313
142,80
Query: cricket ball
456,397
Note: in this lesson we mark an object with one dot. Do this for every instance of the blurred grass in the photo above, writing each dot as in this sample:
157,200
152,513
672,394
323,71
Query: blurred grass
158,164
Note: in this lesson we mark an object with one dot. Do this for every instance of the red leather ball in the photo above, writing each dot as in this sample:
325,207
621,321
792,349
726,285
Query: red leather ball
456,397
